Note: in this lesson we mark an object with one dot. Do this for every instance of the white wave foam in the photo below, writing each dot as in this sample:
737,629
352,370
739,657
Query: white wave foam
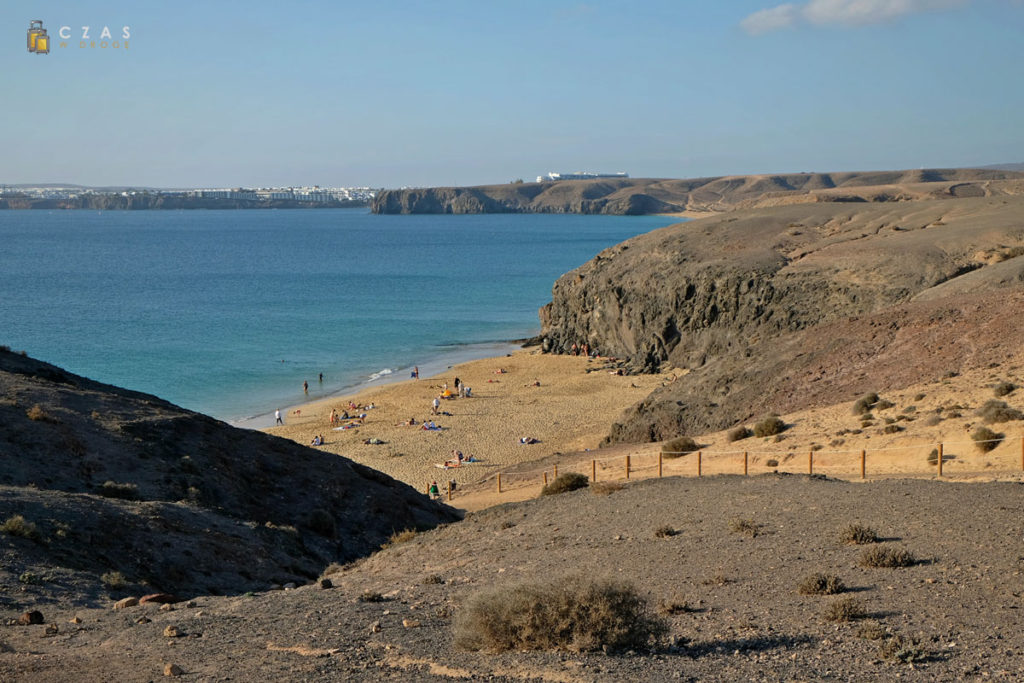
380,373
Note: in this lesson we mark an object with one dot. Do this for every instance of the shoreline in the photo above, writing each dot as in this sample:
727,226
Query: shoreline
445,357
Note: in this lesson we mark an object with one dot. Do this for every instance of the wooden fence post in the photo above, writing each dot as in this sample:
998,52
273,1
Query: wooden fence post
449,489
499,482
556,471
863,468
593,470
659,463
545,477
939,463
1022,452
810,462
698,463
744,463
627,467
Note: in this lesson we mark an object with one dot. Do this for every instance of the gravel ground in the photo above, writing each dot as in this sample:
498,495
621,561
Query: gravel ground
962,600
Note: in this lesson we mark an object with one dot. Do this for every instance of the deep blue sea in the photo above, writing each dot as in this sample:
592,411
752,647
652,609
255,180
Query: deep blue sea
228,312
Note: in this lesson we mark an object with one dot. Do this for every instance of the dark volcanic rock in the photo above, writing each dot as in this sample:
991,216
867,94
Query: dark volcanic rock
121,481
711,295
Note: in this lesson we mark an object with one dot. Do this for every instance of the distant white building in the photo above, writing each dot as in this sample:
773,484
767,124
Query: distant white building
579,175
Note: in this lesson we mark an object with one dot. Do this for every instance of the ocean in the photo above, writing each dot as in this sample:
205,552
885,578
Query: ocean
229,312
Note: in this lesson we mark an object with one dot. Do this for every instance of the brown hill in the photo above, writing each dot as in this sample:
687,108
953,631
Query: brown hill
634,196
777,308
115,480
720,558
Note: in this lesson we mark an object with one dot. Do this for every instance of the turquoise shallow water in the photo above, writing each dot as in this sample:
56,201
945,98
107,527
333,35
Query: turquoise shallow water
228,312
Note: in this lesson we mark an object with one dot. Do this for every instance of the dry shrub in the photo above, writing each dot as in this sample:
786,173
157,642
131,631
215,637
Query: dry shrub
1004,388
112,489
738,434
884,404
769,426
565,483
872,631
573,614
932,420
919,397
821,584
863,405
858,534
674,606
933,456
665,532
371,596
985,439
887,557
845,609
37,414
891,429
679,446
749,527
16,525
997,411
772,462
403,536
901,649
433,579
332,568
606,488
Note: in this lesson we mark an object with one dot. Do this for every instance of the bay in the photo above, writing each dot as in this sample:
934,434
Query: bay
228,312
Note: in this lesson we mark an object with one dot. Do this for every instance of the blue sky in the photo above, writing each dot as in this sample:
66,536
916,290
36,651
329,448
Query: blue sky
396,93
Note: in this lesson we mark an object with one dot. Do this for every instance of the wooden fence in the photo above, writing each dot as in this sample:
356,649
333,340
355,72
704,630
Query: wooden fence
937,459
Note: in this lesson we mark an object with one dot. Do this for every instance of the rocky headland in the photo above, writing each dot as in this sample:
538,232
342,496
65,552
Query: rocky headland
636,196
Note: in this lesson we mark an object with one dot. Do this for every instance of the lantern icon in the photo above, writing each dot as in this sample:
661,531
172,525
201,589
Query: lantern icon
38,41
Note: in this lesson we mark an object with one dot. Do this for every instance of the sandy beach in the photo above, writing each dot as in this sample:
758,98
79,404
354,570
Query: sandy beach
578,399
571,410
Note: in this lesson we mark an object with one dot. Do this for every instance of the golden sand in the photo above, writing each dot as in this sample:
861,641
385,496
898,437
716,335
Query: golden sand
578,399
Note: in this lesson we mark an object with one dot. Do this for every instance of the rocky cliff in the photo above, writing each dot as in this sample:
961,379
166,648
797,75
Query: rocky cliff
742,300
118,481
634,196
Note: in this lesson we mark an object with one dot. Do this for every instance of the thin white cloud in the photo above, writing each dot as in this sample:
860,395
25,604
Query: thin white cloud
842,12
771,19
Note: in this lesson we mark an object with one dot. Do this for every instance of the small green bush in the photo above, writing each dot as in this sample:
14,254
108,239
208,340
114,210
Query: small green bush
904,650
863,405
565,483
29,579
738,434
16,525
769,426
114,580
738,525
886,557
678,447
112,489
997,411
845,609
858,534
821,584
573,614
1004,388
985,439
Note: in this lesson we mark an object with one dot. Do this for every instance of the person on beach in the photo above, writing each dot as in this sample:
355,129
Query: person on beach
334,417
433,491
436,405
321,378
277,417
575,349
457,383
305,387
415,372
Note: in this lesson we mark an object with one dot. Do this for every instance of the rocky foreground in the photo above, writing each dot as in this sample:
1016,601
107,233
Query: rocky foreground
120,492
720,559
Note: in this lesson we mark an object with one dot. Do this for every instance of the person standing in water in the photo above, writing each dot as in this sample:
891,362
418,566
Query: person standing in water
305,387
277,417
